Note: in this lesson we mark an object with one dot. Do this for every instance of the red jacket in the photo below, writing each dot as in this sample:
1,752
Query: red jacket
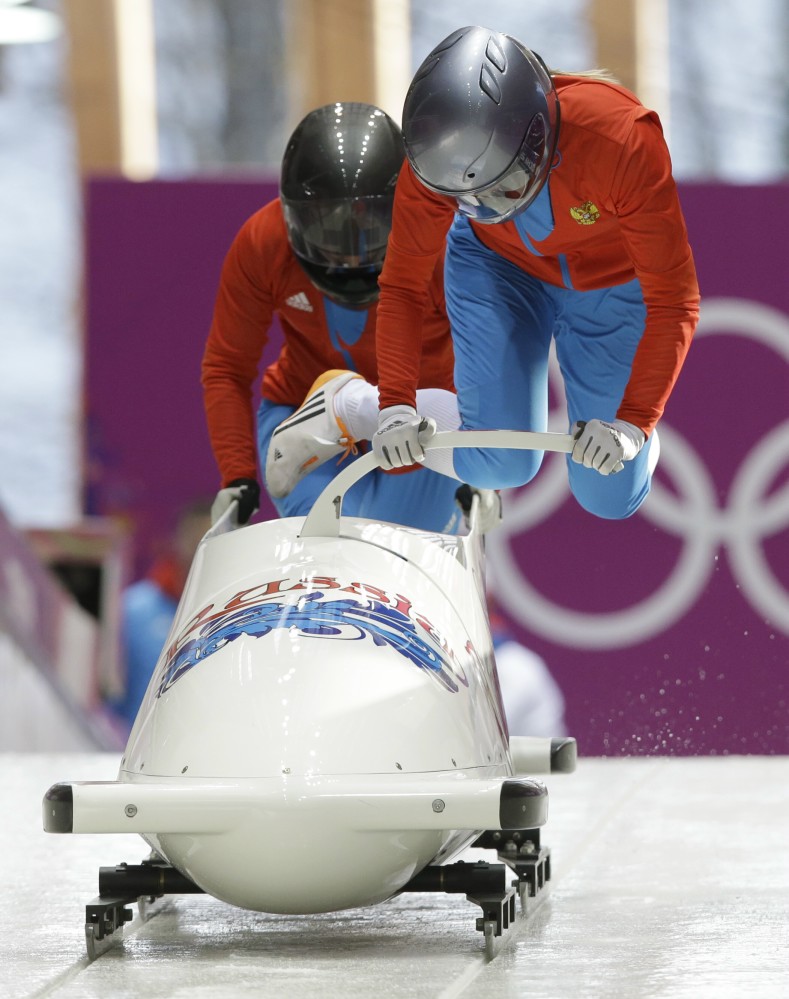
261,277
616,217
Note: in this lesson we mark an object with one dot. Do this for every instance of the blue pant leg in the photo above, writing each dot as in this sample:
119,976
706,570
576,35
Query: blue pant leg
502,322
597,335
421,499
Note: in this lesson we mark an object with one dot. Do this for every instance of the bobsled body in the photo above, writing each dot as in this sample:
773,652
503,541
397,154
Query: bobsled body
308,671
325,720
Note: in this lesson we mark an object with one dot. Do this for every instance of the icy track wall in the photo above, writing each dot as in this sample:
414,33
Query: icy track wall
669,632
48,658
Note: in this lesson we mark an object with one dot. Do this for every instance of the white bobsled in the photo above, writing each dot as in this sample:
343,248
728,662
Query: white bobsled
325,720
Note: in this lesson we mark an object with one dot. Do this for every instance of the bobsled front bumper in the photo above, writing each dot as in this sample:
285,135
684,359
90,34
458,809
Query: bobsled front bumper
191,806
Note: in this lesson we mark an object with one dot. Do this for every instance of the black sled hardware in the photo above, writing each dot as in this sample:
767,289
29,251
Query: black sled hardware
521,851
119,888
482,883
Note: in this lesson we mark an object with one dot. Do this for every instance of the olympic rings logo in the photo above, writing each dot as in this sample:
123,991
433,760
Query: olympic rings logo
692,514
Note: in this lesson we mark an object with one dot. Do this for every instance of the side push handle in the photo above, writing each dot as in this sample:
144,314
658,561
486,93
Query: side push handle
323,520
227,522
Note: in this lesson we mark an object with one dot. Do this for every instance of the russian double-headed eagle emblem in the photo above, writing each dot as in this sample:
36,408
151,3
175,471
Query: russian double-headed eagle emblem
587,214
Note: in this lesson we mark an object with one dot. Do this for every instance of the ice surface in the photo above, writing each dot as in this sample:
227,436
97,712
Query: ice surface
670,879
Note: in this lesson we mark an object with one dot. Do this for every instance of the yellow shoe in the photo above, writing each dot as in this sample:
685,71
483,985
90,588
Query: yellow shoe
309,437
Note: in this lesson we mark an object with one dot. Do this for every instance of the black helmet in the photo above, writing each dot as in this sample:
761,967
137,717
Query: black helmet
337,189
481,122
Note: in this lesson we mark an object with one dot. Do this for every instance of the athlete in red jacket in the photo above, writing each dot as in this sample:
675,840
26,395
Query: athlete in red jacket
555,197
312,258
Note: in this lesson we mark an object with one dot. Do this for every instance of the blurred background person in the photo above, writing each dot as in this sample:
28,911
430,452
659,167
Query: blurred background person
149,606
533,700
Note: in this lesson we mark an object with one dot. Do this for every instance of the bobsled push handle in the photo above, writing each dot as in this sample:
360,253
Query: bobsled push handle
323,520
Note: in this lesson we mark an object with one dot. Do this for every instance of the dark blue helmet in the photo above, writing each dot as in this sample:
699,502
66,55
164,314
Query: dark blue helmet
337,190
481,123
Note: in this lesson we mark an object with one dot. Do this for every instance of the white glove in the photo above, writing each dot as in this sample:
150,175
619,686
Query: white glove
606,446
400,436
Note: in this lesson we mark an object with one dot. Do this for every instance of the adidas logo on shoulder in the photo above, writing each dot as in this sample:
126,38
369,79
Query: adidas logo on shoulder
299,301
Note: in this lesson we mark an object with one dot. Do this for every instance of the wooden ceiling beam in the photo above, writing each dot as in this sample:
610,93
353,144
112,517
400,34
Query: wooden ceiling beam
111,72
632,41
347,50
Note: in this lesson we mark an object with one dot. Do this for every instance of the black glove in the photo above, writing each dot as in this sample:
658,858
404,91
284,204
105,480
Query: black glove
245,491
489,511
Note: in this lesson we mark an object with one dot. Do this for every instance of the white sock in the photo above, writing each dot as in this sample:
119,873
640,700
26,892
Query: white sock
356,406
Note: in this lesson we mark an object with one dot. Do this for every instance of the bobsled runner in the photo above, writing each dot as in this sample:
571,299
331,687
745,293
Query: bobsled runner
324,727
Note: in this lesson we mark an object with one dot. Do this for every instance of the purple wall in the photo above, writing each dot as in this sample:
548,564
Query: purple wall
669,632
708,554
153,256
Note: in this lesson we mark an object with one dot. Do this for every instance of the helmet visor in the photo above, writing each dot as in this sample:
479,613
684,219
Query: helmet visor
518,187
342,232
